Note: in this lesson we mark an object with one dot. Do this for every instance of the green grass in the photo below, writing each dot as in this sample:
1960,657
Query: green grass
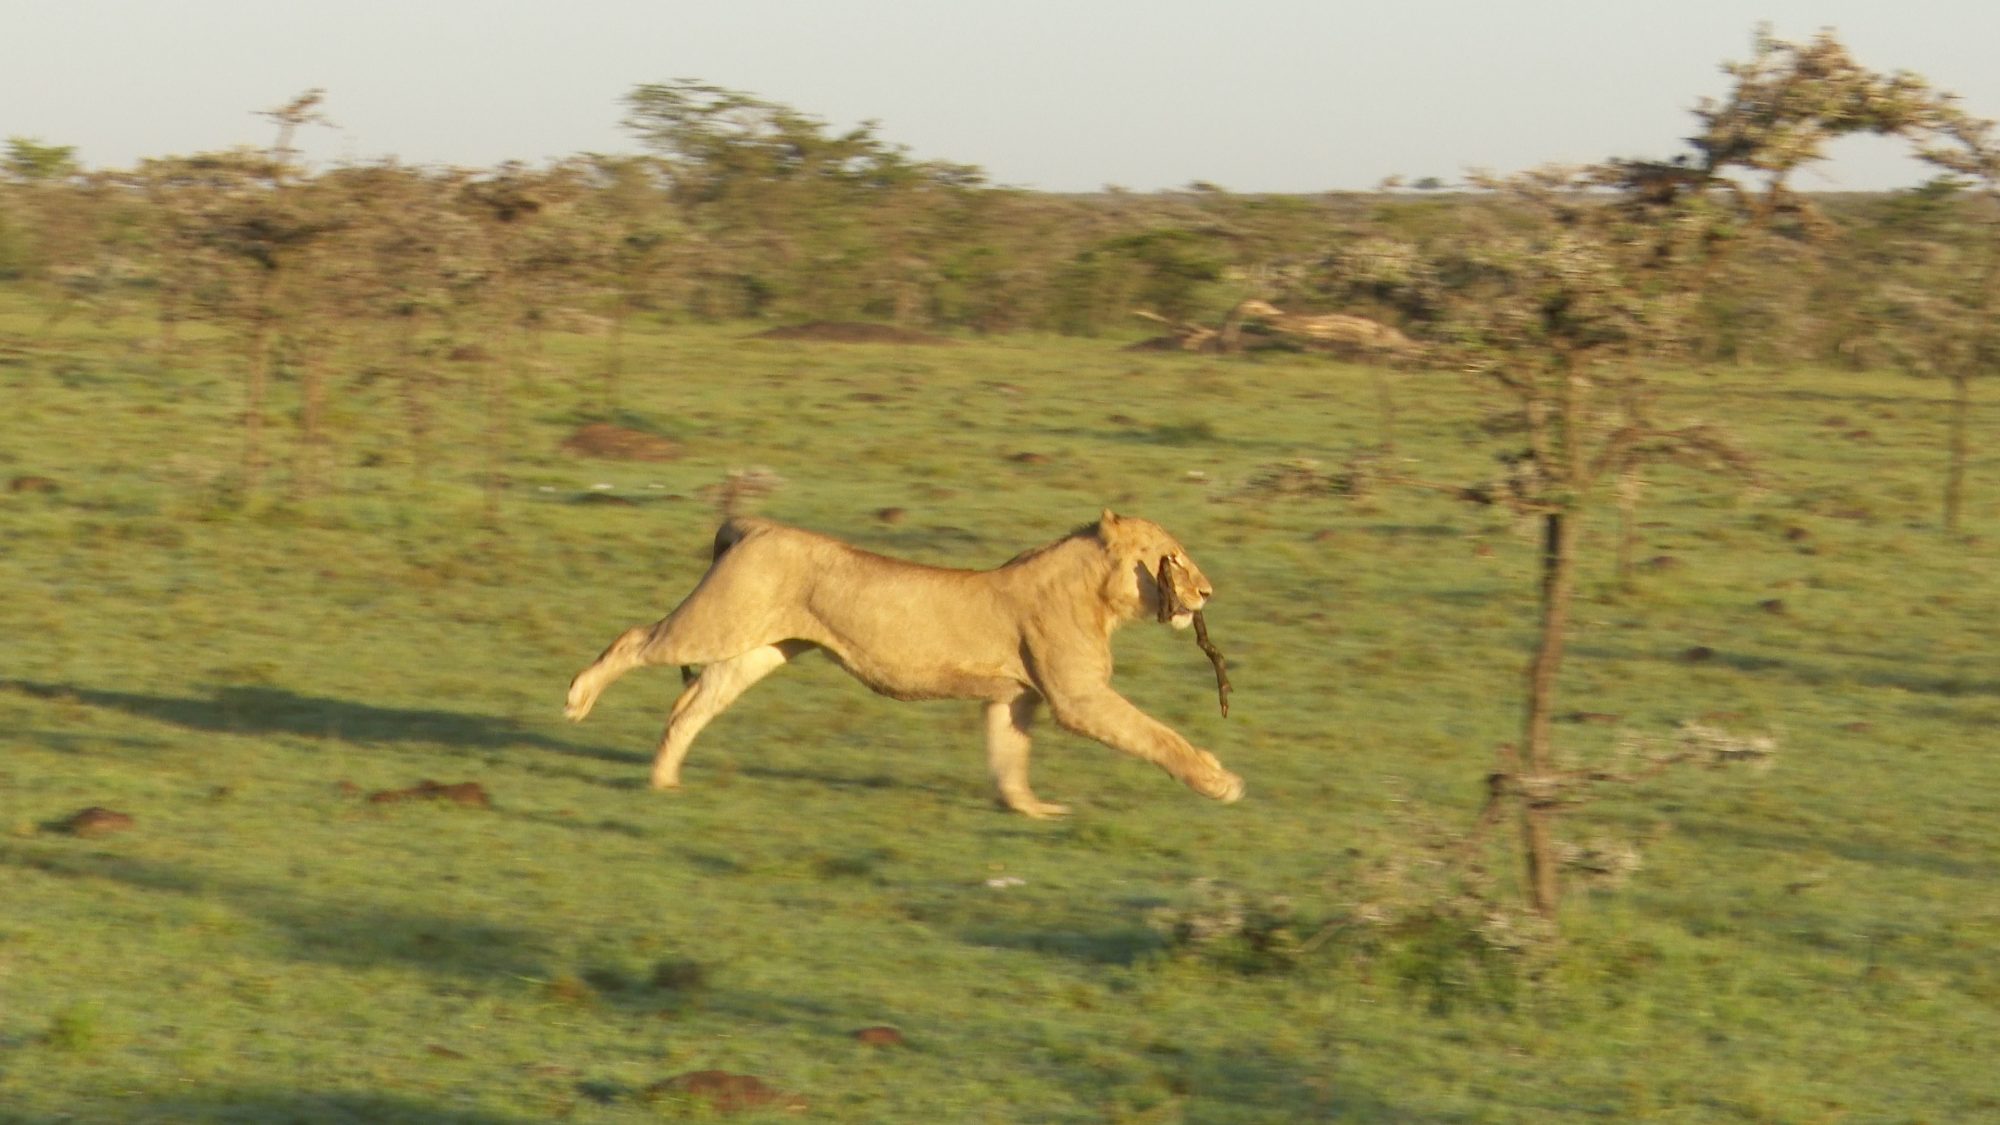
1811,943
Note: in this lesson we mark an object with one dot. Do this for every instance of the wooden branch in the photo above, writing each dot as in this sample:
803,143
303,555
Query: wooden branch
1215,658
1171,606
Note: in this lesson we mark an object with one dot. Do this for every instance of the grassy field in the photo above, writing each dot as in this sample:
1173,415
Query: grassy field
1814,942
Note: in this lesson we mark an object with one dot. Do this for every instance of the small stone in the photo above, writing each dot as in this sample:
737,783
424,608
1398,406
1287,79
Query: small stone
1698,654
880,1036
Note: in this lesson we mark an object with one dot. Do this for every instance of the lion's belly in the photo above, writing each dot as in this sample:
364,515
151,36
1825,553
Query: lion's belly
909,680
919,635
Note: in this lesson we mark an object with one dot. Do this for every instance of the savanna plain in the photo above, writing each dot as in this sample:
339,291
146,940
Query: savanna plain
1809,939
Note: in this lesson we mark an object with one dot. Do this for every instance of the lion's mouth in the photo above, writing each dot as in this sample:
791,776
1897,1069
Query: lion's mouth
1182,619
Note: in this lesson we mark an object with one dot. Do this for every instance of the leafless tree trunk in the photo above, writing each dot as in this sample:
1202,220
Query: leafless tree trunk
416,378
1385,397
1629,486
1537,794
1958,445
499,376
614,347
263,340
307,470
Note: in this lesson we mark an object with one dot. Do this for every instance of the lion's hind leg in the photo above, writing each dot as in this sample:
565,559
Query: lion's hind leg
711,693
623,655
701,631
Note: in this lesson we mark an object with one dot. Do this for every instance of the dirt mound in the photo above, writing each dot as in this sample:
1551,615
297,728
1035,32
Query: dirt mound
617,443
726,1093
851,332
94,821
464,793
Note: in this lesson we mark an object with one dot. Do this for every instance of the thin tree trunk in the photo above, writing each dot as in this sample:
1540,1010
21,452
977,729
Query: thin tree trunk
416,406
1958,444
169,318
1629,486
1385,397
312,409
499,374
257,383
1537,799
614,352
493,373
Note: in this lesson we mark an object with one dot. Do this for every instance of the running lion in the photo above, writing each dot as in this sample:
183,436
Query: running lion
1035,630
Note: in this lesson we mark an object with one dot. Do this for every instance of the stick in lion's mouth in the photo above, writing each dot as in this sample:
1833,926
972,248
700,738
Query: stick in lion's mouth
1215,658
1170,607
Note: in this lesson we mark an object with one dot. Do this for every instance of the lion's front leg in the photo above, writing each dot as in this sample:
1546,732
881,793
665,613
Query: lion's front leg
1007,743
1110,718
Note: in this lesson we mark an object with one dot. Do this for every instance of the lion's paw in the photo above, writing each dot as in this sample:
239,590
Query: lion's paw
1232,789
1033,807
579,701
1221,785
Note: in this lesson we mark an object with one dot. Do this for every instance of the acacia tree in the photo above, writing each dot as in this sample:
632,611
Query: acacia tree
1788,102
1571,289
787,211
1947,329
531,254
1570,302
248,231
65,235
394,270
636,240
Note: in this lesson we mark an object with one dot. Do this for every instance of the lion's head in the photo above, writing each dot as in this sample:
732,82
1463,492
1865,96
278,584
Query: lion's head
1151,573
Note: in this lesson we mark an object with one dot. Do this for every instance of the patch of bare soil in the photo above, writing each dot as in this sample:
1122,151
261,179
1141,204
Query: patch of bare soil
852,332
618,443
94,821
465,793
725,1092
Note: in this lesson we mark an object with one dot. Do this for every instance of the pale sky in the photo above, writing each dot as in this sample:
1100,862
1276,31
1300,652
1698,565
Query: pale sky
1062,95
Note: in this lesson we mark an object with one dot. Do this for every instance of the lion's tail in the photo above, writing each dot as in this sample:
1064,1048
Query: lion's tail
732,532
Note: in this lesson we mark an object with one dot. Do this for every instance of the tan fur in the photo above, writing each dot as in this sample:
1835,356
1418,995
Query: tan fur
1035,631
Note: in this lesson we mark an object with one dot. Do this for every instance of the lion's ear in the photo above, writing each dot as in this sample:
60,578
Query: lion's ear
1111,528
